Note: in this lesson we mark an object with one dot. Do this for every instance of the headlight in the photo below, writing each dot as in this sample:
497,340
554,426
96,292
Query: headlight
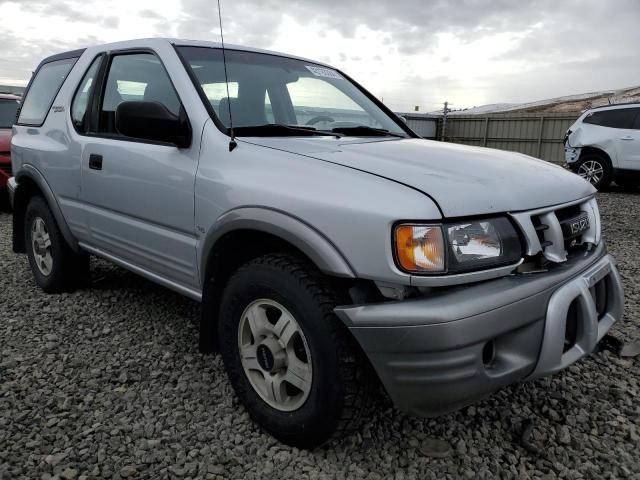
456,247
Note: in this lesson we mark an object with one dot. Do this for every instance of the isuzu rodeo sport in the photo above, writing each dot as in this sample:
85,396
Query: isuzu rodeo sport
331,247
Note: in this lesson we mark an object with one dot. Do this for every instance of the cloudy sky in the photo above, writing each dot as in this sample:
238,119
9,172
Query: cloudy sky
407,52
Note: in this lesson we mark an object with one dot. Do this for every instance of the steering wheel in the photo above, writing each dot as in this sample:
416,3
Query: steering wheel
320,118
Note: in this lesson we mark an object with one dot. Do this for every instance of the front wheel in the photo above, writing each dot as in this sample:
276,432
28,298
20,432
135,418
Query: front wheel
595,169
290,360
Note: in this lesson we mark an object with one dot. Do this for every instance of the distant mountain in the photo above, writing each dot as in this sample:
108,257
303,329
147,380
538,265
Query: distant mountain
490,108
11,89
569,104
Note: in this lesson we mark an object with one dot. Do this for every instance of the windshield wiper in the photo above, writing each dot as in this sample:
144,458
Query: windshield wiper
366,131
281,130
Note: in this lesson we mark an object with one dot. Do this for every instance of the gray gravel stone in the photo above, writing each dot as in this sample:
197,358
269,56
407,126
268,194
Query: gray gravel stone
435,448
108,382
69,474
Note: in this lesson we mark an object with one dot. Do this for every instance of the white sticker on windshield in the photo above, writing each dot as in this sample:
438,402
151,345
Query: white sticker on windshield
323,72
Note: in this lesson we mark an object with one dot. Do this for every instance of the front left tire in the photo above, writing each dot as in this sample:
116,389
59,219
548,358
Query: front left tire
290,360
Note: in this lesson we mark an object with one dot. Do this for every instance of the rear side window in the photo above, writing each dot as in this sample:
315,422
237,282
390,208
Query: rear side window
8,111
43,91
619,118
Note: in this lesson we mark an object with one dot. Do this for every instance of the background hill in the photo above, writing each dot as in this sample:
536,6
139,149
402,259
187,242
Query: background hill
570,103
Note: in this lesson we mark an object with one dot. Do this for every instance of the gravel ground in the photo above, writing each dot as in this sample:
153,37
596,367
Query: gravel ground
108,382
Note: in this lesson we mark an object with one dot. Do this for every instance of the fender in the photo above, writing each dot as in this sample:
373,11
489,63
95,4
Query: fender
313,243
32,173
598,141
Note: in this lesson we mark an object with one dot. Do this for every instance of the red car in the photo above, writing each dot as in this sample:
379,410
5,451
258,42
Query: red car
8,107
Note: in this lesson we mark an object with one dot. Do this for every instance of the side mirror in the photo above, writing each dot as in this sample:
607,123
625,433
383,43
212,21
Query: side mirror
153,121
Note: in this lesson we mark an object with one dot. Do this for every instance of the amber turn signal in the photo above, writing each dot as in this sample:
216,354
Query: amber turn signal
420,248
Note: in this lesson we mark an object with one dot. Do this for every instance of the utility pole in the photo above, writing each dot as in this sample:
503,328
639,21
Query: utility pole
445,112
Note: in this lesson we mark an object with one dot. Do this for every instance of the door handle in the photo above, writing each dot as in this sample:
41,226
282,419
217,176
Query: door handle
628,137
95,161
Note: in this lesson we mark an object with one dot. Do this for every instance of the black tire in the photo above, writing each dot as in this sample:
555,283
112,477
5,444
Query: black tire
342,381
597,160
68,269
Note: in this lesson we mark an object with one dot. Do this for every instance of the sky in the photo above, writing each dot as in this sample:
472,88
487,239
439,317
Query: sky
406,52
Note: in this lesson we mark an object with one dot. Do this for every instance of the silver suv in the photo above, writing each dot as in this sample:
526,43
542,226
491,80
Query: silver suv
331,247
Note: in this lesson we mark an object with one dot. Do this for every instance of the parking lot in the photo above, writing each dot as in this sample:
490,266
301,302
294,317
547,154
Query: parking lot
108,382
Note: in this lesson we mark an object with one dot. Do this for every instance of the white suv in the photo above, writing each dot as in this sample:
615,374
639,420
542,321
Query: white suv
604,145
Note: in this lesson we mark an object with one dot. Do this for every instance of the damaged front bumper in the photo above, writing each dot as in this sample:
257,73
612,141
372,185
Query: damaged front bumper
571,155
439,353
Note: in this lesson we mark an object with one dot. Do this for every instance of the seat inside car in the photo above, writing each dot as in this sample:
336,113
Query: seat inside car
161,91
112,99
242,113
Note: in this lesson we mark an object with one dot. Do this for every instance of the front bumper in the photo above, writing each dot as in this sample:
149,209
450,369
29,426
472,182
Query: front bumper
440,353
571,155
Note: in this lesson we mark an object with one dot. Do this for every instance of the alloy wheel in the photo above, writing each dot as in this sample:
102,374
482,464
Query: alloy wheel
592,171
41,244
275,355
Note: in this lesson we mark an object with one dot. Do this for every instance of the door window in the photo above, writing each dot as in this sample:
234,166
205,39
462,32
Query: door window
636,123
8,111
81,99
43,90
135,77
618,118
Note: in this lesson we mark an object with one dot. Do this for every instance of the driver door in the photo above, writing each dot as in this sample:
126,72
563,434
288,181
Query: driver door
139,195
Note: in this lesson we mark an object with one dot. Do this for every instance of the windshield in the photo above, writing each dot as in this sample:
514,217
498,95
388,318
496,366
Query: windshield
8,110
267,90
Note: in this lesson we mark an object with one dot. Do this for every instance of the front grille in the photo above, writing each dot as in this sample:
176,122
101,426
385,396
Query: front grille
558,232
574,226
540,229
567,212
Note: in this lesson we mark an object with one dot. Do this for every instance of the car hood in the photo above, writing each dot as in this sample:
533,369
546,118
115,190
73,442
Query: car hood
5,139
462,180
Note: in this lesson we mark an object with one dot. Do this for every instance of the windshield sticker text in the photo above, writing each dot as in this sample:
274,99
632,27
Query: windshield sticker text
323,72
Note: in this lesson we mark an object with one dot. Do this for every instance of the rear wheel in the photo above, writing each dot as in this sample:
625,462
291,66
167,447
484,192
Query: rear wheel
291,361
56,268
595,169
